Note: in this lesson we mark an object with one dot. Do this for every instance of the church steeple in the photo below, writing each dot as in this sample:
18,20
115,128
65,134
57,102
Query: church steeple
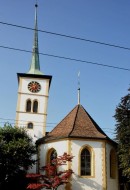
33,94
35,63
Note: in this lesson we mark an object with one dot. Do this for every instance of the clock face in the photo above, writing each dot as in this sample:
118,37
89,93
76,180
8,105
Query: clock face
34,86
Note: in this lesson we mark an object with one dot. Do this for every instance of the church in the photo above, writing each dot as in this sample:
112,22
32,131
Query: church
95,162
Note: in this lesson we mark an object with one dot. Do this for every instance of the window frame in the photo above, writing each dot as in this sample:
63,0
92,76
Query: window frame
85,159
92,162
28,104
48,156
33,110
30,127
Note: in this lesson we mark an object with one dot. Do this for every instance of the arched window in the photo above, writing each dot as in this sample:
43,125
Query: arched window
52,154
35,106
30,125
28,106
112,164
85,161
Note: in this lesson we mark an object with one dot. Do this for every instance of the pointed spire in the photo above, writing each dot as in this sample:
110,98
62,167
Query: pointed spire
35,64
78,87
78,96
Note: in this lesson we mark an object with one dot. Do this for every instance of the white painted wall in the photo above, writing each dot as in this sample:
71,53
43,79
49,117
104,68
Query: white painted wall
60,147
38,119
111,183
79,183
88,182
23,87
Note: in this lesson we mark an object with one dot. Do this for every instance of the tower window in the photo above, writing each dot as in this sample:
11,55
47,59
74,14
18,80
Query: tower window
30,125
85,162
28,106
35,106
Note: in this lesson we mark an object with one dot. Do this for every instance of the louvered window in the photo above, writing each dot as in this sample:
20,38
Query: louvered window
35,106
28,106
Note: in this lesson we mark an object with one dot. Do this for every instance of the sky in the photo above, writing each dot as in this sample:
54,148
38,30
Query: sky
101,88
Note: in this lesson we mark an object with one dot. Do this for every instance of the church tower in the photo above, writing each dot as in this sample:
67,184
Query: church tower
33,93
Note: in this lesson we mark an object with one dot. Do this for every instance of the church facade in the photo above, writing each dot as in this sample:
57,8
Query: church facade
95,162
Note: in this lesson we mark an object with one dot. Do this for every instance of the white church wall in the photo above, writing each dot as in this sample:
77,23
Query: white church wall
44,85
37,120
41,100
112,183
91,182
60,147
100,165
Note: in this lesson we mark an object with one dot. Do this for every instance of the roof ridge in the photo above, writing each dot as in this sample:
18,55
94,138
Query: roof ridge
95,124
75,118
62,120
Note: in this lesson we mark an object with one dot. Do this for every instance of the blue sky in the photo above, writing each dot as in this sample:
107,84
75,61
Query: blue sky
101,87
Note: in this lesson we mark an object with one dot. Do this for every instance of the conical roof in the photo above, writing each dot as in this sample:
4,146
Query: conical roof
77,124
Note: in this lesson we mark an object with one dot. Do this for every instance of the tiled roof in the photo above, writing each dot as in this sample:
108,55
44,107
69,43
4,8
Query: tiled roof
77,124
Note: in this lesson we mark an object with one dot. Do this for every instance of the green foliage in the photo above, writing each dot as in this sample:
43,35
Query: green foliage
16,151
122,116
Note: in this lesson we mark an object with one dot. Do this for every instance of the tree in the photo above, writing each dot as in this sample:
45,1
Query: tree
122,116
16,151
53,177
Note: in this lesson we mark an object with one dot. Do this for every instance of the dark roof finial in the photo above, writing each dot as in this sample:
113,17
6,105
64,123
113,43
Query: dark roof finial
36,4
78,87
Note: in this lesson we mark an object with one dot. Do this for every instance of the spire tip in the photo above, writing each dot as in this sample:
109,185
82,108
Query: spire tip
36,4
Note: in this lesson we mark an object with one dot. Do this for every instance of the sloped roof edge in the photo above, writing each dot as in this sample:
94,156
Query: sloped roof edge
76,124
